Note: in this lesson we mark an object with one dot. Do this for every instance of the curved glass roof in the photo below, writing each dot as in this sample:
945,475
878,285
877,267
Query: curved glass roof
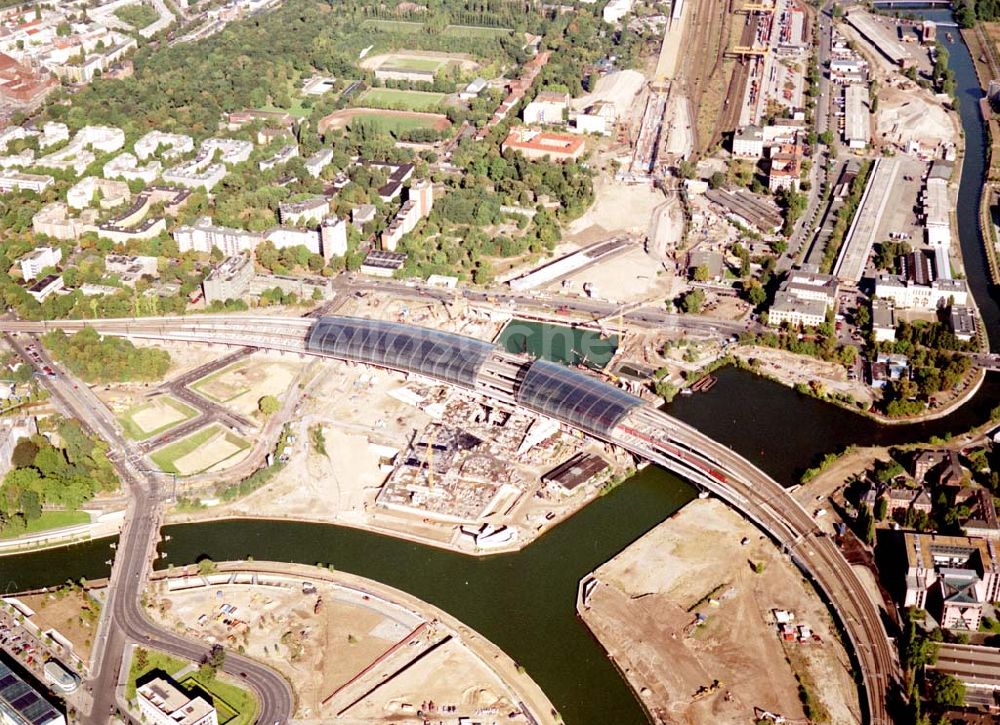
444,356
570,396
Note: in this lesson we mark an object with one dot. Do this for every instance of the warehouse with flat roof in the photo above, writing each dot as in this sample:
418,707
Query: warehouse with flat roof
857,125
861,235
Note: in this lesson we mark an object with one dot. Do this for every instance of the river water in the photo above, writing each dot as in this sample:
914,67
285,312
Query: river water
524,602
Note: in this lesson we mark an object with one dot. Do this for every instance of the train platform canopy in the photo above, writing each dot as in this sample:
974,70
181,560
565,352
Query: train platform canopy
445,356
570,396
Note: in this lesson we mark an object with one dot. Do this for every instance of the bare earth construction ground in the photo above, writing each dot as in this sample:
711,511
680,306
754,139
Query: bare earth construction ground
645,602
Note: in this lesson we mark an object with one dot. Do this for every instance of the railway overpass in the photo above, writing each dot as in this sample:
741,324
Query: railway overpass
577,400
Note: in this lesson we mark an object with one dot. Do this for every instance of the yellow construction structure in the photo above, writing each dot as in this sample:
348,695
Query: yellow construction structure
744,50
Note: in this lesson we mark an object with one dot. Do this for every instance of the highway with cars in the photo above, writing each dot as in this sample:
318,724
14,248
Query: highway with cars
668,442
122,618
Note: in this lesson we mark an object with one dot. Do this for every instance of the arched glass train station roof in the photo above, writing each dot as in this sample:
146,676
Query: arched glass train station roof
444,356
546,387
570,396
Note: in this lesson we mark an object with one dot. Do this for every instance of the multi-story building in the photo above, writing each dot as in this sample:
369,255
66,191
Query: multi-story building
173,144
318,161
748,143
547,108
53,220
284,155
229,280
147,229
203,235
131,268
126,166
12,430
21,703
883,320
911,295
540,144
109,193
45,286
16,181
284,237
194,174
418,204
231,150
333,237
804,298
162,702
299,213
38,259
22,88
951,577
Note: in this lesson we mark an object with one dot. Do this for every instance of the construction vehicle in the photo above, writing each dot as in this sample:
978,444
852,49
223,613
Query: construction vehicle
706,690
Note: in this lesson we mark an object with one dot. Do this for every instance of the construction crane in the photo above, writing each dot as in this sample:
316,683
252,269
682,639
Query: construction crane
745,50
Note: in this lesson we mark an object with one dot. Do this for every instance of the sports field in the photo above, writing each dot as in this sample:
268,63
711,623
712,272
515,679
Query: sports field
393,26
405,100
411,63
154,417
199,451
454,31
476,31
390,121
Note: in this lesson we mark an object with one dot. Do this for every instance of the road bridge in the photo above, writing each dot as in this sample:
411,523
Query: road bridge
578,400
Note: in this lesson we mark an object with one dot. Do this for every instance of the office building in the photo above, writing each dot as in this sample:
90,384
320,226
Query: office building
22,704
951,577
162,702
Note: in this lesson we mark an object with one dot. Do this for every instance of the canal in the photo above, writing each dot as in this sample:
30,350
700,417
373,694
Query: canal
524,602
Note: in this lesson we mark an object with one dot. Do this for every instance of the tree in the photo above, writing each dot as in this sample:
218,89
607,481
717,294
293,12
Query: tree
206,566
692,302
268,405
716,180
701,273
881,508
756,294
947,690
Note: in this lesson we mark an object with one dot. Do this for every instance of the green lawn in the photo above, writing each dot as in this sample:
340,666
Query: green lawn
405,100
133,431
234,705
166,456
394,26
393,124
51,520
476,31
202,385
296,110
421,64
138,16
154,661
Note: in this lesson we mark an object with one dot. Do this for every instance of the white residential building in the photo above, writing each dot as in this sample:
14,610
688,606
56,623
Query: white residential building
318,161
194,174
126,166
299,213
111,193
231,150
45,286
203,235
616,10
53,220
16,181
176,144
38,259
53,132
283,237
164,703
286,154
333,236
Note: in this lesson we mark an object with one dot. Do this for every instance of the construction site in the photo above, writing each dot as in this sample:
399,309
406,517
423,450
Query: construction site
354,650
708,622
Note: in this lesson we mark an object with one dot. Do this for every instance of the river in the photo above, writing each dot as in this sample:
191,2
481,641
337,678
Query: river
524,602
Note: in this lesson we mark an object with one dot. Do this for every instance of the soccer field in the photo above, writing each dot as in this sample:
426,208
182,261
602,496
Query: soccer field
410,63
405,100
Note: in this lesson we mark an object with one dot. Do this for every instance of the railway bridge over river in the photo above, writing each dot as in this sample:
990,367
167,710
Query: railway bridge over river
576,399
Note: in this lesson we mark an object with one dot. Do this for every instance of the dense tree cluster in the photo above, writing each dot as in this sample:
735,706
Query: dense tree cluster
99,359
45,474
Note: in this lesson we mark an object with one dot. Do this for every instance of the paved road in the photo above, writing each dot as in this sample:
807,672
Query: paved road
549,305
122,618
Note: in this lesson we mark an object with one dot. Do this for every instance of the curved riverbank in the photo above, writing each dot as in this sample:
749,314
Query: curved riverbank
522,688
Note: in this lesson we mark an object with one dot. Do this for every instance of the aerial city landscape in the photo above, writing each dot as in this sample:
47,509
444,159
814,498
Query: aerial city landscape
499,361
